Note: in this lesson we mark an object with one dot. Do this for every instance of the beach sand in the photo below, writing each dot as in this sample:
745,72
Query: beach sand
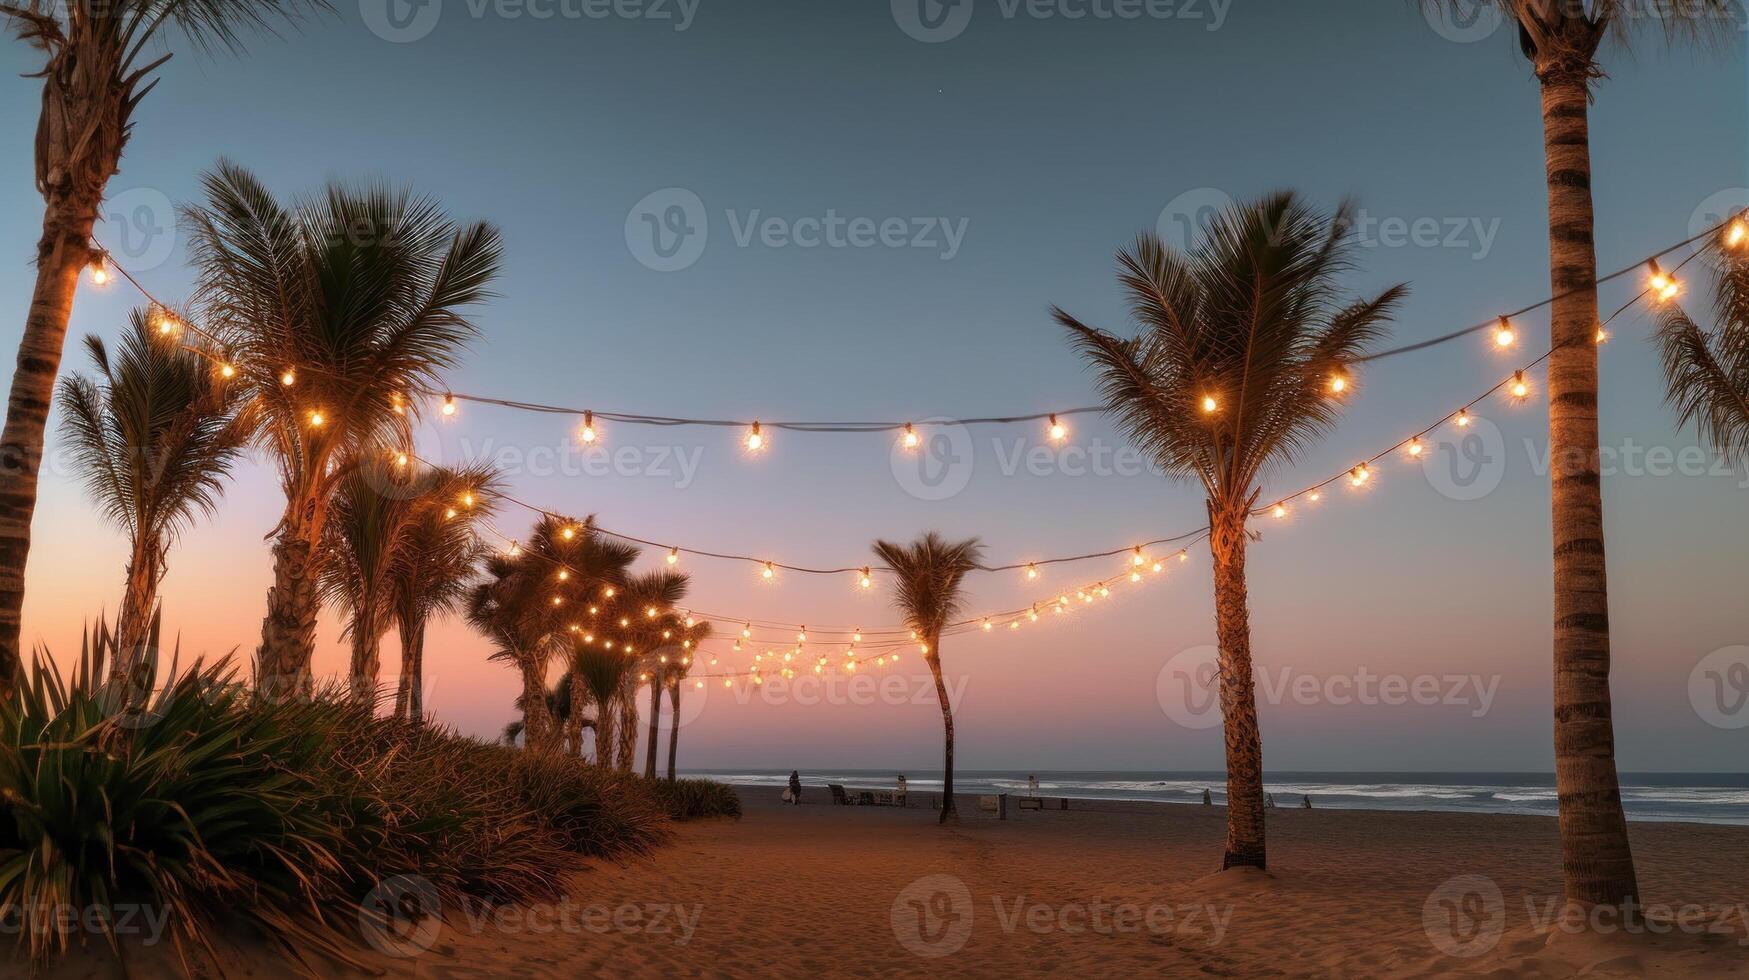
819,890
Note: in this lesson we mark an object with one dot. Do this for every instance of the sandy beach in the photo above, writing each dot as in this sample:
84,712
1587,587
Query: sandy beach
819,890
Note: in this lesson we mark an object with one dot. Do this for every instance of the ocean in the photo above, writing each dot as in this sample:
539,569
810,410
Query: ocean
1694,797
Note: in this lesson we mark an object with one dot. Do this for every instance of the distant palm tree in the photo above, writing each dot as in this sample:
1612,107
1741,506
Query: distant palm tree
154,438
644,617
93,78
1230,379
601,672
595,571
1706,372
1561,39
928,576
374,558
443,555
514,608
336,314
675,677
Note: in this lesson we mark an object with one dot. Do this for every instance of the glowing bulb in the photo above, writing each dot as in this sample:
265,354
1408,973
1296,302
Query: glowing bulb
747,631
856,637
467,498
755,439
768,572
588,433
650,612
1520,387
99,274
558,600
673,556
288,377
398,403
317,419
167,323
698,684
987,626
568,533
449,404
1135,576
1415,447
1503,335
1359,475
449,512
1737,233
910,439
1159,567
608,592
1602,335
1057,432
1183,555
1137,560
564,574
865,579
1279,511
1338,384
1031,571
400,459
1662,284
514,549
802,637
1209,404
227,372
1463,418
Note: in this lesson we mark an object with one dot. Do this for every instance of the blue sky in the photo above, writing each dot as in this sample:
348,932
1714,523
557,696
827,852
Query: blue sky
1014,156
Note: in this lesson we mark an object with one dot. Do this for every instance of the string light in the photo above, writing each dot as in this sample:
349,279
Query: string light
865,579
99,274
588,433
1279,511
1138,559
1737,234
448,404
1415,446
1359,475
673,556
317,419
909,440
1520,387
755,439
769,572
1504,337
1338,383
1209,404
1661,283
227,371
1463,418
1031,571
288,377
1056,432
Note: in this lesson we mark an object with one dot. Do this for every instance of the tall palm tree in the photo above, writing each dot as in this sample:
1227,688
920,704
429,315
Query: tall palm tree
678,668
443,554
1706,371
96,69
643,617
1561,39
596,568
335,312
154,438
1230,379
929,574
600,672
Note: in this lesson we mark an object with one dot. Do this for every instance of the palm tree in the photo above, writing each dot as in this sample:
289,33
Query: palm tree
1561,40
595,570
95,72
371,549
1706,373
515,608
335,312
1229,379
600,672
443,554
675,677
154,439
928,576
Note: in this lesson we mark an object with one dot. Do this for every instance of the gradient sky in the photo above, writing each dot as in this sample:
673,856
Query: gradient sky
1054,141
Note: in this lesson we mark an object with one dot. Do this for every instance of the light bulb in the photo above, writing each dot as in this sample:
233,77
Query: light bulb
449,512
608,592
99,274
1602,335
1338,384
588,432
1359,475
317,419
400,459
564,574
1057,432
568,533
1520,387
865,579
1209,404
673,556
449,404
1279,511
987,626
1463,418
768,572
227,371
1736,234
755,439
288,377
1137,559
1415,447
910,439
1314,496
1031,571
1503,335
747,631
856,637
467,498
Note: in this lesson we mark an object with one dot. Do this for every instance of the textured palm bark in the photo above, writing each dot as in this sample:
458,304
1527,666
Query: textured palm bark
132,623
288,631
366,668
948,811
1245,835
538,734
673,726
574,724
62,253
626,727
409,705
655,725
1595,856
604,736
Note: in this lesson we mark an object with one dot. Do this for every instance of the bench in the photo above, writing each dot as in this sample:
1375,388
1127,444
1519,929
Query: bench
839,797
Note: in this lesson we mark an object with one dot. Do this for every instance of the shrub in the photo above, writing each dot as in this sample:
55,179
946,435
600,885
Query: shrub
694,799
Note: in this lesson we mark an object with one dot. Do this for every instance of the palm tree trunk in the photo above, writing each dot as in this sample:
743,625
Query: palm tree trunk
416,694
62,252
574,724
367,660
673,725
136,609
655,725
604,735
407,701
537,721
1245,841
288,632
948,811
1595,857
626,726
